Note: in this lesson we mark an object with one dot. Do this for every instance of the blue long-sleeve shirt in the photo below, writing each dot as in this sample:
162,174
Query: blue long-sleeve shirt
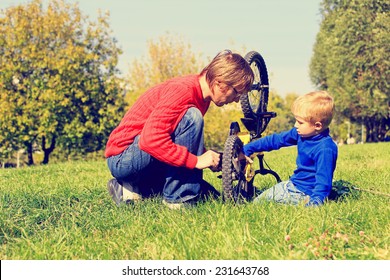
316,160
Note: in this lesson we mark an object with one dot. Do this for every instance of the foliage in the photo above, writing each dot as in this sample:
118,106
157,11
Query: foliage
57,79
352,60
217,124
169,56
63,211
284,119
218,120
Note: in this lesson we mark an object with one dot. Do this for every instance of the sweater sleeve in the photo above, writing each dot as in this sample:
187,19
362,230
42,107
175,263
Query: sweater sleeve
272,142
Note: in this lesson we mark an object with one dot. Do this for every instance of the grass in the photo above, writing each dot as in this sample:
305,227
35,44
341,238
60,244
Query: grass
63,211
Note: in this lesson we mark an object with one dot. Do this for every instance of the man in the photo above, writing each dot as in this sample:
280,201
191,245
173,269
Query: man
158,146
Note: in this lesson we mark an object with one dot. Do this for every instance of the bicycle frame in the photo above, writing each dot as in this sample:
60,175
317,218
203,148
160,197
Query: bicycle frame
249,172
238,174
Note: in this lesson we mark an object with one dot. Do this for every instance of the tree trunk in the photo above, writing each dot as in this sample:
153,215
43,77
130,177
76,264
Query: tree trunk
48,151
373,130
30,157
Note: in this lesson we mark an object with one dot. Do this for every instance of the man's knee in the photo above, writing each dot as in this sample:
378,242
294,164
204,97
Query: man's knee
193,118
195,115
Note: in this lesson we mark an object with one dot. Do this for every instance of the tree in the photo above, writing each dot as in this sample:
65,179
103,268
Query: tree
284,119
169,56
352,60
217,124
58,84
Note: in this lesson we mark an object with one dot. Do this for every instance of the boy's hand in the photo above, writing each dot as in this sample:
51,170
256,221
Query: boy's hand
313,201
242,156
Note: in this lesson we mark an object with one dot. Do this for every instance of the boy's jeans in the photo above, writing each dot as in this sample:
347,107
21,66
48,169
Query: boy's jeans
283,192
149,176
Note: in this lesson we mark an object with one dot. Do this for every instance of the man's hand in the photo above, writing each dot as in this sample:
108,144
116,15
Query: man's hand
209,159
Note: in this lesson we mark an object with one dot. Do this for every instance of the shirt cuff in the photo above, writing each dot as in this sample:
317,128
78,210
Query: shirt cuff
191,162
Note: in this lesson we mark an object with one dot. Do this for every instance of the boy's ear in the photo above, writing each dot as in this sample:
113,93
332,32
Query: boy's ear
318,126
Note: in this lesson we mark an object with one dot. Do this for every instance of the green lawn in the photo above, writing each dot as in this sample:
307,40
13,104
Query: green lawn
63,211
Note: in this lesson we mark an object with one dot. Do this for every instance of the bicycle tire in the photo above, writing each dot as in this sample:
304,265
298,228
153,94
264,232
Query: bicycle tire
256,100
233,178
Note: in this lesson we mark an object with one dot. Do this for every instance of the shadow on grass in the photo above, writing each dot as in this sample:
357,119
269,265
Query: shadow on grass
342,189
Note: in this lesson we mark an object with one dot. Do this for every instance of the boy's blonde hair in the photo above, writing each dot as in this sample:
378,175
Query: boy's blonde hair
317,106
231,69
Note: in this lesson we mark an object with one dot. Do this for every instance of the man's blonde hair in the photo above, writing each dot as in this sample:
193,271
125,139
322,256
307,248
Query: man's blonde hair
317,106
231,69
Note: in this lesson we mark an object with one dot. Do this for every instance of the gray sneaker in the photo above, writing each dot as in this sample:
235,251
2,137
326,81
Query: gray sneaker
122,194
116,191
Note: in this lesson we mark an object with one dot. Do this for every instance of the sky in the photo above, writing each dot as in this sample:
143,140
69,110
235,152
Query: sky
282,31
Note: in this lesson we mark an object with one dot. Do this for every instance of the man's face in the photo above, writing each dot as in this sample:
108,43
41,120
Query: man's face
224,94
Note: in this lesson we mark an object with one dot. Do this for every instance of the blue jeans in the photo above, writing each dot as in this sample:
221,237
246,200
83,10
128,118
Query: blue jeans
283,192
150,176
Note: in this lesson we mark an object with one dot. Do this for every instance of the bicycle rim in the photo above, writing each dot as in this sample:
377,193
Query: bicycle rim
233,179
256,100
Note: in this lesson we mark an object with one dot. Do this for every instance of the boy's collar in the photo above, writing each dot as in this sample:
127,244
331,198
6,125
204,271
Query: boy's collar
318,136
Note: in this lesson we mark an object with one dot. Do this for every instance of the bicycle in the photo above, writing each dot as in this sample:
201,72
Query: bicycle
237,174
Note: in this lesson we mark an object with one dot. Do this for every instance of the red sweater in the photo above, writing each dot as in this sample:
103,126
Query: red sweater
155,116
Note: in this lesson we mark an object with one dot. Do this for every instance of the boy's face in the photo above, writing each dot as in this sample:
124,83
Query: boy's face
305,128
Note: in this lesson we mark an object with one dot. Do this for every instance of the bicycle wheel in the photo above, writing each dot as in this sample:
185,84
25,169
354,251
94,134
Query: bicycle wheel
256,100
233,178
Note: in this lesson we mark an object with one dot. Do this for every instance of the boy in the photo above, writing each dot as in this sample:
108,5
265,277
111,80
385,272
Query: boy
311,182
158,147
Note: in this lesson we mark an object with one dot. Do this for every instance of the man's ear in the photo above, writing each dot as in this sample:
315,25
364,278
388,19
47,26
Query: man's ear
318,126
